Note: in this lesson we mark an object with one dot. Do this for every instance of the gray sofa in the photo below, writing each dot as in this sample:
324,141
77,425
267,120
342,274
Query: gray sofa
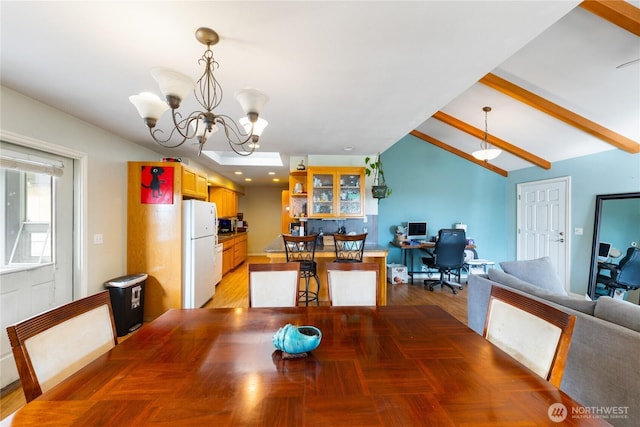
603,365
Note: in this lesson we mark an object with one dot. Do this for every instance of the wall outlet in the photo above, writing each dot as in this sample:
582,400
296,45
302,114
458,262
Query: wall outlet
98,239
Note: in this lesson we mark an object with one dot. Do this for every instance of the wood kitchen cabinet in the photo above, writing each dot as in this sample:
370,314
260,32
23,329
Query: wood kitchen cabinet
154,235
240,249
335,192
298,194
234,251
227,256
226,201
194,184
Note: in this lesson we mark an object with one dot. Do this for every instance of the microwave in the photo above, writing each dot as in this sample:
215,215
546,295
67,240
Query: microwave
225,225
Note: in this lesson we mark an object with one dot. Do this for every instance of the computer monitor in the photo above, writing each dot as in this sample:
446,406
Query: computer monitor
416,230
603,249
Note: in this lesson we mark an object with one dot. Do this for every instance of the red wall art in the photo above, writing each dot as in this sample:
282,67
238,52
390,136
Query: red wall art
156,185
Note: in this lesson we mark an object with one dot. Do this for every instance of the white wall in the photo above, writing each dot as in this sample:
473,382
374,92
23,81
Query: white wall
262,209
105,188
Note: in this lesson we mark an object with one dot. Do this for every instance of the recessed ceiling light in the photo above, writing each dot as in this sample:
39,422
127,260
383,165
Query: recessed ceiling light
248,179
238,172
348,148
272,173
276,179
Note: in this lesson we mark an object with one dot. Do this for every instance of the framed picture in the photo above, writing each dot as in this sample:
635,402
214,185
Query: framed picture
156,185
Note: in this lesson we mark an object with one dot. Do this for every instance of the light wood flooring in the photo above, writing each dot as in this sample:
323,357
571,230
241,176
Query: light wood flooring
233,292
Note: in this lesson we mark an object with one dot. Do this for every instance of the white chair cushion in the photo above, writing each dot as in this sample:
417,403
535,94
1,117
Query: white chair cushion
274,288
63,349
527,338
357,288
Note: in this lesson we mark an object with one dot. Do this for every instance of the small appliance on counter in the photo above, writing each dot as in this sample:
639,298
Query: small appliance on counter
296,228
225,225
241,226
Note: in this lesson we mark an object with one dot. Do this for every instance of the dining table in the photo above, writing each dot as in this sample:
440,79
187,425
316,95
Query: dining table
374,366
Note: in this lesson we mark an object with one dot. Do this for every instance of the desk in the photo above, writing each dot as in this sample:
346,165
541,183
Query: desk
407,253
390,365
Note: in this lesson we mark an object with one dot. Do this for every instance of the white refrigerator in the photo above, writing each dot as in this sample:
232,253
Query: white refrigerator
200,237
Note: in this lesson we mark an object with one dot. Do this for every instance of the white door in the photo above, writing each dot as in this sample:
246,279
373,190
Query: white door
543,222
36,193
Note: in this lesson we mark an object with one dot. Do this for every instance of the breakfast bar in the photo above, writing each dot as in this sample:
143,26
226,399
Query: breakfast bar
326,253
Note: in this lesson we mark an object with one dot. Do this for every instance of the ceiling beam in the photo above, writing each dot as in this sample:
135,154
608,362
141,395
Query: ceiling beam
621,13
493,140
453,150
561,113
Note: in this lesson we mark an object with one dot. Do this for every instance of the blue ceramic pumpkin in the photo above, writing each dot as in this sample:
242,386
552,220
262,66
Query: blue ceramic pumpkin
295,340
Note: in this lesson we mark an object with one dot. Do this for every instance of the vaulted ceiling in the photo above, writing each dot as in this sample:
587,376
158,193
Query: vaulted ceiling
563,94
350,74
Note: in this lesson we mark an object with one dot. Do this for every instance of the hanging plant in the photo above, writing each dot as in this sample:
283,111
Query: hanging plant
373,168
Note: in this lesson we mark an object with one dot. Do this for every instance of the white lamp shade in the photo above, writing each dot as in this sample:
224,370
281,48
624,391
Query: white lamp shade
488,154
258,126
173,82
251,100
202,128
149,106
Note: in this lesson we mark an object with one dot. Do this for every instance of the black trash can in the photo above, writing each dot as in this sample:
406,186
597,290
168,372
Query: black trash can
127,301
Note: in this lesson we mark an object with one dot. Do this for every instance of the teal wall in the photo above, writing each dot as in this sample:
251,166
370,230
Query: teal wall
434,185
613,171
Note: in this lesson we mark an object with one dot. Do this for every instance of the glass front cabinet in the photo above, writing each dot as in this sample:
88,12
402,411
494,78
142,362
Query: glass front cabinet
335,192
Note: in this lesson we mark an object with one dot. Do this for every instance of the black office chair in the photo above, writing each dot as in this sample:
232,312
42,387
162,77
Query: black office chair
349,247
302,249
447,258
625,276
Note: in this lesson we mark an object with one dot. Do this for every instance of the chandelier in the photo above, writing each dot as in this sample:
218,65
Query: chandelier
486,153
242,137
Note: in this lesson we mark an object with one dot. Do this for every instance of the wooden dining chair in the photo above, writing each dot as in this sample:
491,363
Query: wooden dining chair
53,345
349,247
532,332
274,285
352,284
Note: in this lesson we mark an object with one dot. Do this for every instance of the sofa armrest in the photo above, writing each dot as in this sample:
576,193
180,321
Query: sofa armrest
479,289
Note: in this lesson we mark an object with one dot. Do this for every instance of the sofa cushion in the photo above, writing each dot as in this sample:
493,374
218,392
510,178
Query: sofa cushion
619,312
538,272
577,304
512,281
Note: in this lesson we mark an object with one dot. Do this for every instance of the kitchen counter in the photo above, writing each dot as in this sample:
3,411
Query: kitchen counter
227,236
326,253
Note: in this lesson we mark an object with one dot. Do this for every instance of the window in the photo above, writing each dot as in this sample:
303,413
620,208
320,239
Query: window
27,193
28,224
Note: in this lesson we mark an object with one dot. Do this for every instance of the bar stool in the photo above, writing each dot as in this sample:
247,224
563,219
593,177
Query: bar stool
349,247
302,249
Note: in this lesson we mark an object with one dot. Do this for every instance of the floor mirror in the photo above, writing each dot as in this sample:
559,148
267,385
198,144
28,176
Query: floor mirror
616,228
